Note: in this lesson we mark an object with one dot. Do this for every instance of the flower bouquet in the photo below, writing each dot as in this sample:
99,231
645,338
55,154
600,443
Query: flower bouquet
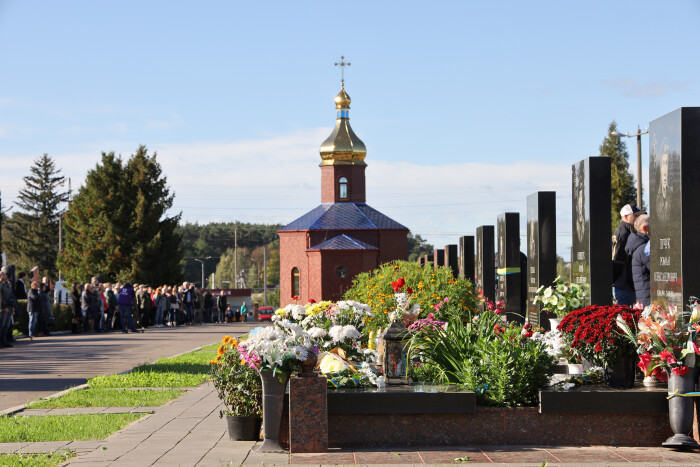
560,298
591,333
667,340
403,311
237,384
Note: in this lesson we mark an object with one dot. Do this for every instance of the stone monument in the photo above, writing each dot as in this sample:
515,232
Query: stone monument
541,249
438,258
591,229
674,168
509,273
451,259
485,275
466,257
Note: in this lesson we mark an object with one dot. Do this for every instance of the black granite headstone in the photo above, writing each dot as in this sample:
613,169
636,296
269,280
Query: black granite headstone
541,250
509,273
451,259
485,275
466,257
591,229
674,171
438,258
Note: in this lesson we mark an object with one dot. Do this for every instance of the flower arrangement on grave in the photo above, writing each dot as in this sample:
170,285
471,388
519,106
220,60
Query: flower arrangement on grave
430,286
237,384
430,321
279,348
667,341
560,298
403,302
591,332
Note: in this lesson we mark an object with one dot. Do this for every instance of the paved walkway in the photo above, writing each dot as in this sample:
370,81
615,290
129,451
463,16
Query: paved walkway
46,365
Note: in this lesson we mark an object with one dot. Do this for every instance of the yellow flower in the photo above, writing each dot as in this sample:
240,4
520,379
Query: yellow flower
222,349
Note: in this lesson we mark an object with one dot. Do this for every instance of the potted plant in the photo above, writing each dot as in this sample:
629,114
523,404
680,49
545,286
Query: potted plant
559,299
668,343
591,334
240,389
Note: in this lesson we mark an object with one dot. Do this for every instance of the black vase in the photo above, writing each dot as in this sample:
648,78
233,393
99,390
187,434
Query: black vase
621,373
680,411
273,402
243,428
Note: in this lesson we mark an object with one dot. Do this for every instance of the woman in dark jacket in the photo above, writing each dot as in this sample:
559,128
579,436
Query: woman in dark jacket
636,249
77,315
33,307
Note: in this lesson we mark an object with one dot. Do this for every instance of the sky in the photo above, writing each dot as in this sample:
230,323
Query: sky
465,107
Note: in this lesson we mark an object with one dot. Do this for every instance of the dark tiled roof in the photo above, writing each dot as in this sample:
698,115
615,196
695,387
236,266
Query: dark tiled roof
343,242
343,216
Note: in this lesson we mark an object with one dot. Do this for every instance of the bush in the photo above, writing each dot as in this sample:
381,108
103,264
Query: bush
498,361
63,314
430,288
273,298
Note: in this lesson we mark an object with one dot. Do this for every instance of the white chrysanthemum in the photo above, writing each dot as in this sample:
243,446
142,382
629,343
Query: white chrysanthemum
343,305
300,353
298,312
336,333
317,333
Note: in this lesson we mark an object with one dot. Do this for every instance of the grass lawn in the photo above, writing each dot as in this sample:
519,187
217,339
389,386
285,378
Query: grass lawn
31,460
62,427
188,370
98,397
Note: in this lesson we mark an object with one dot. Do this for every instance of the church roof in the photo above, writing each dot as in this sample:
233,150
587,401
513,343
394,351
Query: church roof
343,216
343,242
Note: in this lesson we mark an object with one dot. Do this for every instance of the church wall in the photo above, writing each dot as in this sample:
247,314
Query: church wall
356,187
393,244
293,254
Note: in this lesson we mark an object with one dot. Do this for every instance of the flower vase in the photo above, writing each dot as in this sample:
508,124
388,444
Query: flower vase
651,381
621,373
681,410
554,323
273,402
308,365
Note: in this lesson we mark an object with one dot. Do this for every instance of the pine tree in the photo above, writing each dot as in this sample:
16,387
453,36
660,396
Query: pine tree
116,225
33,230
622,190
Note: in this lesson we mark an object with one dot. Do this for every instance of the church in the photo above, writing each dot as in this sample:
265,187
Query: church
323,250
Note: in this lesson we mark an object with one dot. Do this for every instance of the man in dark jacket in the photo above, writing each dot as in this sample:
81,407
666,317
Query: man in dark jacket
637,250
208,305
20,287
221,305
125,298
623,285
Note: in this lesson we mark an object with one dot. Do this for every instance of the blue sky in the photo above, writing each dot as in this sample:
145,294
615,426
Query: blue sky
465,107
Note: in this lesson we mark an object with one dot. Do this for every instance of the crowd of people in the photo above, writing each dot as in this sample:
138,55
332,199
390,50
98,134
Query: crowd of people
102,307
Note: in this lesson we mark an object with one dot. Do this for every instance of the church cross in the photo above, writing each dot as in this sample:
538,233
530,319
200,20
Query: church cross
342,64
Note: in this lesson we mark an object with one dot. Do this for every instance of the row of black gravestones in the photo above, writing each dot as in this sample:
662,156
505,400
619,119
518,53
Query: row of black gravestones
674,162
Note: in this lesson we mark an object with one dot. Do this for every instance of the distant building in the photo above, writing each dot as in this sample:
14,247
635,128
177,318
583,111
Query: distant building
324,249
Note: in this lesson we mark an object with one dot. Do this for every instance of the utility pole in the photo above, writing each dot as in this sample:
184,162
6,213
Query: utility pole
265,275
235,256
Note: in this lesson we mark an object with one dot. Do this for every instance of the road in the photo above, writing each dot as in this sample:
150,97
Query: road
38,368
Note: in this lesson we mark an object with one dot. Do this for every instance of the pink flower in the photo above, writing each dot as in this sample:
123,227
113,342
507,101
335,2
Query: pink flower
644,362
447,299
490,306
668,356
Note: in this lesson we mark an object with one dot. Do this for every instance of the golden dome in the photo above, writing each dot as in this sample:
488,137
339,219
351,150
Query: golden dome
343,147
342,100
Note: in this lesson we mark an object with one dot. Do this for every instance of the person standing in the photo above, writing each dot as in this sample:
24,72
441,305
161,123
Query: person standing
77,314
111,306
145,306
20,287
623,284
7,309
33,308
125,299
86,307
638,249
241,312
208,306
221,305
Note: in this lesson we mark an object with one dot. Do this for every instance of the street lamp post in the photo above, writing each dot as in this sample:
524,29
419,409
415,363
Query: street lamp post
202,263
638,135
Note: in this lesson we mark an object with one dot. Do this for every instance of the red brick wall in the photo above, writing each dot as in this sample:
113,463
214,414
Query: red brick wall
356,183
293,254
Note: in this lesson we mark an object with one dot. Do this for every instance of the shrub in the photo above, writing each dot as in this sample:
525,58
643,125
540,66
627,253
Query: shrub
430,288
63,314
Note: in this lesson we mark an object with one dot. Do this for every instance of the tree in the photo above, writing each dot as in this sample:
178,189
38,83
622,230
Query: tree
417,247
33,230
117,227
622,186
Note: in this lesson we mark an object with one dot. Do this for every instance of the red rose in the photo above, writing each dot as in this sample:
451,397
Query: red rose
409,290
311,300
681,370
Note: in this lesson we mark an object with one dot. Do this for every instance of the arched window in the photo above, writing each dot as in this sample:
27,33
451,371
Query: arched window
295,282
343,188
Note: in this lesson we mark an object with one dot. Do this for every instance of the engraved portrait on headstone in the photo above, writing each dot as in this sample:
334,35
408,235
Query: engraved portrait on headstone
580,196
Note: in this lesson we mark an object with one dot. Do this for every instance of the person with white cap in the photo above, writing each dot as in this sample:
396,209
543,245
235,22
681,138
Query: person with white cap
623,283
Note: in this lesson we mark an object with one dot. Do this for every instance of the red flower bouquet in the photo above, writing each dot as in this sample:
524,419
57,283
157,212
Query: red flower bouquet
591,333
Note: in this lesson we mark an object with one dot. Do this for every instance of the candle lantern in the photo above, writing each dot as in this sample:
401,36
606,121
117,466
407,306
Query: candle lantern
394,356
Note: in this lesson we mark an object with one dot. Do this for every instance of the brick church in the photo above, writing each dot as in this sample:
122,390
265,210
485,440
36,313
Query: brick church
324,249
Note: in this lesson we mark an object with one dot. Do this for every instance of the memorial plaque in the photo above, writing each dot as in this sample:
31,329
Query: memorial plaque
509,273
541,250
438,258
591,229
674,171
485,276
466,257
451,257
